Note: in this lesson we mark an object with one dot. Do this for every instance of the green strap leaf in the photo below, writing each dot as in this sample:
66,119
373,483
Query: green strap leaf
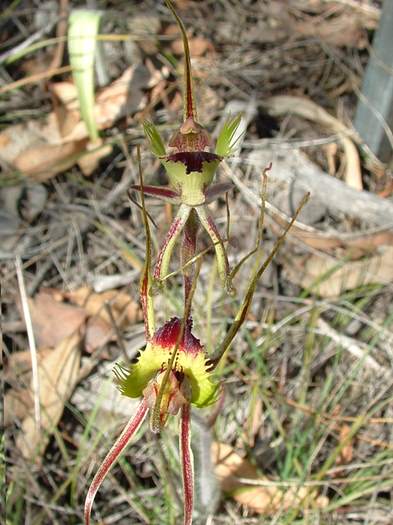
82,40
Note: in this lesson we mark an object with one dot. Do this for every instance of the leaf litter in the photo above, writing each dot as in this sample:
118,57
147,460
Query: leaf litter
302,59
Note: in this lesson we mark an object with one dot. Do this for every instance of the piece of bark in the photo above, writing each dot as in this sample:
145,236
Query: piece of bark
295,169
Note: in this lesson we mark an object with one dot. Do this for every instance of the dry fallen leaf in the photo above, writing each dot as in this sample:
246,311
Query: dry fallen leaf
53,320
267,498
346,453
359,243
18,401
41,162
99,327
198,46
124,309
305,108
89,162
58,375
17,404
41,149
329,277
98,333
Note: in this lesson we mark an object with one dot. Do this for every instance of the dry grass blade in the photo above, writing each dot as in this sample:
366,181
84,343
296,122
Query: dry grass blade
58,373
32,345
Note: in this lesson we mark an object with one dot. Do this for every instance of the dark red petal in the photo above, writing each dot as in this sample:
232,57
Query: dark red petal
167,336
193,160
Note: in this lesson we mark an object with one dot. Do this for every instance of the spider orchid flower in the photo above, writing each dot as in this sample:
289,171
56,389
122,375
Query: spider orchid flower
173,372
165,388
191,166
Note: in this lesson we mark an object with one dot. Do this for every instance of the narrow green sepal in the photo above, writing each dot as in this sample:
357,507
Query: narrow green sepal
228,137
156,144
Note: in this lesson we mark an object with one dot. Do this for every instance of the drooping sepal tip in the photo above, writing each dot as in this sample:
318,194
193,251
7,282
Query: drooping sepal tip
121,442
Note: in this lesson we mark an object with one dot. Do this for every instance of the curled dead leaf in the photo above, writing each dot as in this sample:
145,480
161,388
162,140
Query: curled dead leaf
198,46
125,310
41,149
305,108
41,162
267,498
104,309
329,277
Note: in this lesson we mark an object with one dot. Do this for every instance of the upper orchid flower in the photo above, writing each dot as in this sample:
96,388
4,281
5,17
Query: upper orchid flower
191,166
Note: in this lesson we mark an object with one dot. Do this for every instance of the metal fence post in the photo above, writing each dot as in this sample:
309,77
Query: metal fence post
374,114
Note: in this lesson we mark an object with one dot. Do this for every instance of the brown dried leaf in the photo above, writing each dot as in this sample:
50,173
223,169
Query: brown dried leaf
359,243
52,320
264,499
19,363
98,333
58,375
346,454
329,277
41,149
124,309
198,46
344,29
89,162
44,161
17,404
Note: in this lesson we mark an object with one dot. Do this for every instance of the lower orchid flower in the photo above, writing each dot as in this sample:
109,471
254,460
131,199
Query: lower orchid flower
165,388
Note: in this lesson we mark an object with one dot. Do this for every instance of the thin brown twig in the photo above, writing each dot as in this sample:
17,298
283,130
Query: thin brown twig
34,78
61,31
